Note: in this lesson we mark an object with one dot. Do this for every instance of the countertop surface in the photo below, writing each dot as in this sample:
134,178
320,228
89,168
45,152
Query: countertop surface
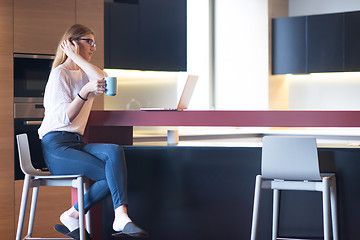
229,128
221,118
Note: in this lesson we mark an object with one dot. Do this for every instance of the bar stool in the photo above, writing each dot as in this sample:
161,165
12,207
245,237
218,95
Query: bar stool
35,178
291,163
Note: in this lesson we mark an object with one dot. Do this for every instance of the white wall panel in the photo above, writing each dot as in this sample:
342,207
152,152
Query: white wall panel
241,54
198,51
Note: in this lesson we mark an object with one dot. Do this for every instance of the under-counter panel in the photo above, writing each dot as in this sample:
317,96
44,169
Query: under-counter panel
192,192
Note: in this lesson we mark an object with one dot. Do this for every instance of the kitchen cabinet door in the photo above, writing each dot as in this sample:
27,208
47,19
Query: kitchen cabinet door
162,35
40,24
121,35
325,43
352,41
289,45
146,35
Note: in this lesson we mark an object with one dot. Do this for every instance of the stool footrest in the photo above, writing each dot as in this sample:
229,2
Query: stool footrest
38,238
292,238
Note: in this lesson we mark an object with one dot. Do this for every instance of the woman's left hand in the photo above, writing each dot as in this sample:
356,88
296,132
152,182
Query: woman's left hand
95,86
69,47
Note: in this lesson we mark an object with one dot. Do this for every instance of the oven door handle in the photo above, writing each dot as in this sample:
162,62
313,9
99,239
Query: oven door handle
32,122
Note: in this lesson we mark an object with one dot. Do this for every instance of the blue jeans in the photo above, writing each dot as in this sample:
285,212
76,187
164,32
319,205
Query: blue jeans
66,153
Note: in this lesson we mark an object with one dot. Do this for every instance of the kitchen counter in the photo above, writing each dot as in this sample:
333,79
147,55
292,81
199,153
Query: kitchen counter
173,189
117,126
218,118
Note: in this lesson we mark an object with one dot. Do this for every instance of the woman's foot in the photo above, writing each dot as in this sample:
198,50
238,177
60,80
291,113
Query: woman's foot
132,230
70,219
124,226
121,219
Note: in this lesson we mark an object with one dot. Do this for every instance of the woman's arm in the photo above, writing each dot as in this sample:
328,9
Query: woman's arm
70,48
96,76
75,106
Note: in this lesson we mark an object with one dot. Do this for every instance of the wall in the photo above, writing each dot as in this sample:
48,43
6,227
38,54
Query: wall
241,54
7,218
198,50
323,91
137,89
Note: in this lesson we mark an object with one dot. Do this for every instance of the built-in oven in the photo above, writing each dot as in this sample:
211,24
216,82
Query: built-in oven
31,73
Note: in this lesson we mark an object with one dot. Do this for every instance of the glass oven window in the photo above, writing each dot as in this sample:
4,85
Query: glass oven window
30,76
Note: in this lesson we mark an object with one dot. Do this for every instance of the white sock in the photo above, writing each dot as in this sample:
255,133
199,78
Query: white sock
120,221
70,222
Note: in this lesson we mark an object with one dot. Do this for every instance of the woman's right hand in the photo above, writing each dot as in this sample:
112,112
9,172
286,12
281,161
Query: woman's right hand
69,47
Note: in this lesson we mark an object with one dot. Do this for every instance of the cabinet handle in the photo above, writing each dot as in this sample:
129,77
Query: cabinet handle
32,122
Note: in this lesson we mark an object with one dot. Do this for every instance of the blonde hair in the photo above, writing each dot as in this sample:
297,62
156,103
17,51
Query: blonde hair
76,31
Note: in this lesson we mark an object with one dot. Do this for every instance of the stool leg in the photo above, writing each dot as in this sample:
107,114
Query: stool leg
255,216
334,209
22,212
276,200
326,208
87,216
80,188
34,198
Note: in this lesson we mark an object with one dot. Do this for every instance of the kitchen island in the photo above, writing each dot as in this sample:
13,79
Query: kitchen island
199,192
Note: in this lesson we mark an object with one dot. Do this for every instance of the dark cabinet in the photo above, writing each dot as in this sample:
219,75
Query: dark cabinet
163,34
289,45
121,35
352,41
325,43
332,43
146,35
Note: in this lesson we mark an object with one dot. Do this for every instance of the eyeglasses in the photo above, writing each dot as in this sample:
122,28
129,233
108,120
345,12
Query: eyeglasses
89,41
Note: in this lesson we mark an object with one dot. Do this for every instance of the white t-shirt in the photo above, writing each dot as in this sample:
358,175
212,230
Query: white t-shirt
61,89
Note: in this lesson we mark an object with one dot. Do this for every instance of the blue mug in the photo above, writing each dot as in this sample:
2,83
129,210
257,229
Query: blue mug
111,86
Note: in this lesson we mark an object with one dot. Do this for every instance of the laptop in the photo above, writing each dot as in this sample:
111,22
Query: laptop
185,96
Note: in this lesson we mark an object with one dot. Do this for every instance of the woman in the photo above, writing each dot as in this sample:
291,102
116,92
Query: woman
69,94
